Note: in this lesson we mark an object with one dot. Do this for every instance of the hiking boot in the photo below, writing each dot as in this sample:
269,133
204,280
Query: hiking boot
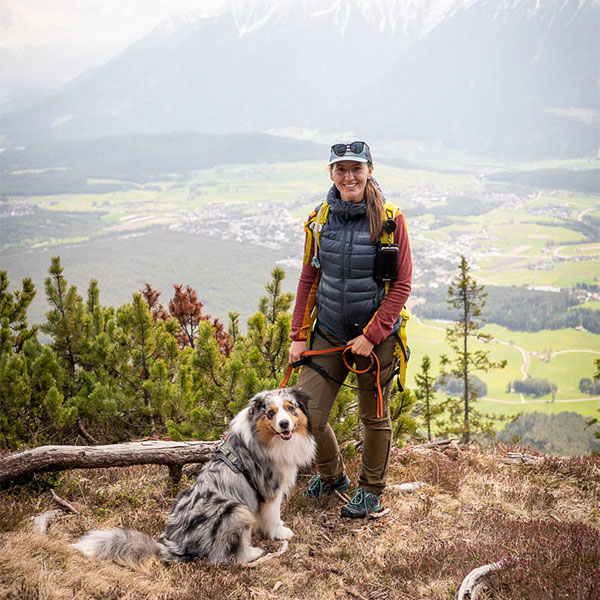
317,487
361,504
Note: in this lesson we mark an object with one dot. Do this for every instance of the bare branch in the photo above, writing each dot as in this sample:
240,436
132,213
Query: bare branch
473,583
268,557
42,522
66,505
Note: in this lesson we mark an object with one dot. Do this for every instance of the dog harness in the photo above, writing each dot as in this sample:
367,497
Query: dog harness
225,453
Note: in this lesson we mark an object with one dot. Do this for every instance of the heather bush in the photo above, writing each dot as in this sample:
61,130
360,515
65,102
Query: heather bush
540,558
434,468
550,560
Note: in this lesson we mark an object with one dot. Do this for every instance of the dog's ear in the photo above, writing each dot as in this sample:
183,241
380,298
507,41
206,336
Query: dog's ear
301,398
258,403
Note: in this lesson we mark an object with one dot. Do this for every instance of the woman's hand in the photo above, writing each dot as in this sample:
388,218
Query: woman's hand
296,350
361,346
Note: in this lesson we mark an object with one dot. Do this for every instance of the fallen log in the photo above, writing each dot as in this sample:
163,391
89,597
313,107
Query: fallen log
521,458
23,465
437,443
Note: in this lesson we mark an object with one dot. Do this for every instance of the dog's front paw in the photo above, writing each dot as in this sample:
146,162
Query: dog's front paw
282,533
251,554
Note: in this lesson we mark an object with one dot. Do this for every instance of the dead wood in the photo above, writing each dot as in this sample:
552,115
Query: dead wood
85,434
405,487
268,557
66,505
474,582
437,443
23,465
521,458
42,522
343,497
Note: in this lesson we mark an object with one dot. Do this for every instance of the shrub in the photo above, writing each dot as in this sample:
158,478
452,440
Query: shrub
533,386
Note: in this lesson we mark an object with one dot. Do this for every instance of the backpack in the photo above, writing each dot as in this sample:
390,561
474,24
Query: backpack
313,227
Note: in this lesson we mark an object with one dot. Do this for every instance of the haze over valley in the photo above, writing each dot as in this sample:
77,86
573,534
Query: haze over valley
193,155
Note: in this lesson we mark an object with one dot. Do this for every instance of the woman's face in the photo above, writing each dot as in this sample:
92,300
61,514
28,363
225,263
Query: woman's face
350,178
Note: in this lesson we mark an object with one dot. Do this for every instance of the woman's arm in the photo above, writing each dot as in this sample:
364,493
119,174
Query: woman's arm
306,294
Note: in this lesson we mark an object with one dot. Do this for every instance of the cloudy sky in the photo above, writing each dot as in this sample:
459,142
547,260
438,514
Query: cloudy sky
46,43
41,22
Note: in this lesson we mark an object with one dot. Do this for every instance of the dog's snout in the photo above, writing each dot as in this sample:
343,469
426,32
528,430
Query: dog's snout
284,424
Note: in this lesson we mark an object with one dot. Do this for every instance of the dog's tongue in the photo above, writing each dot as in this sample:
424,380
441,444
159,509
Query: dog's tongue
286,435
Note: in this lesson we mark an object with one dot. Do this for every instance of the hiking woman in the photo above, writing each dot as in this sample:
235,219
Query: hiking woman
353,307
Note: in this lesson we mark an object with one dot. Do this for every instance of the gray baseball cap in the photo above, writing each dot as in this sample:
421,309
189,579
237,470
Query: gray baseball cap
355,151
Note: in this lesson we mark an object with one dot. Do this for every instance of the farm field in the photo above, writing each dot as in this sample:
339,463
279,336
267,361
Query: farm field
563,357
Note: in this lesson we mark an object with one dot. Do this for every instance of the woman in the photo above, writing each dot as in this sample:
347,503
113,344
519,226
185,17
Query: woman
352,308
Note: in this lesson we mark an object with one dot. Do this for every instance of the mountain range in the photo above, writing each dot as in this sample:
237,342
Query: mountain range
516,78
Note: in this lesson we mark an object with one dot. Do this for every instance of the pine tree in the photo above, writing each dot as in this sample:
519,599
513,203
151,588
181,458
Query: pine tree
222,385
223,382
429,410
233,330
149,353
13,314
269,328
32,407
403,422
65,321
468,299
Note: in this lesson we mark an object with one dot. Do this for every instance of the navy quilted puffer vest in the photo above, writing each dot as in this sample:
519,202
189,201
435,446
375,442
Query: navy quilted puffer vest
348,295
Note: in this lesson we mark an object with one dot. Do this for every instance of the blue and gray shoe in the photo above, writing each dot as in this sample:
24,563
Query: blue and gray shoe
317,486
362,503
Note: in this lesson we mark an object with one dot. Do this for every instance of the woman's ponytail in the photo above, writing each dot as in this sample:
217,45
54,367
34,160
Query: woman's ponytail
375,208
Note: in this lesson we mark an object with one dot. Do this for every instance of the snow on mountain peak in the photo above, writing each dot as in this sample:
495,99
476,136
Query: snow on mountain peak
414,18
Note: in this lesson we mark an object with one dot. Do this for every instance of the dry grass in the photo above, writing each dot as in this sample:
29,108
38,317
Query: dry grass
473,510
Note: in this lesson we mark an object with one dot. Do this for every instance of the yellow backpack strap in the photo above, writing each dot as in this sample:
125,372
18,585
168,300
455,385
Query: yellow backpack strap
402,351
387,237
315,225
389,212
309,236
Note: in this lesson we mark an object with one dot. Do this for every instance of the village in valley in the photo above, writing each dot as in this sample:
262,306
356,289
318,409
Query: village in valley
437,242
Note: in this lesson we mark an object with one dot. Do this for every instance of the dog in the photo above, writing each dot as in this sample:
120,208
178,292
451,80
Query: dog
239,490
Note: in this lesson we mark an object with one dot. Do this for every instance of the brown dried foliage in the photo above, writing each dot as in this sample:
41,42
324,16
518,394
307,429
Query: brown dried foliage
187,309
472,511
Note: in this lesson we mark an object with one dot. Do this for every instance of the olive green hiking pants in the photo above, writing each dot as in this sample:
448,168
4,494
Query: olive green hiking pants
323,391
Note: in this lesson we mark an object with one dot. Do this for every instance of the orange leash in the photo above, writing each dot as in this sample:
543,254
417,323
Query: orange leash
375,367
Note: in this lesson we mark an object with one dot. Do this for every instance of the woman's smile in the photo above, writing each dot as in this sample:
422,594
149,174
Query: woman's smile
350,178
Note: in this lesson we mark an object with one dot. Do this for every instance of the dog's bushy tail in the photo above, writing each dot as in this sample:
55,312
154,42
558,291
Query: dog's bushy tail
123,546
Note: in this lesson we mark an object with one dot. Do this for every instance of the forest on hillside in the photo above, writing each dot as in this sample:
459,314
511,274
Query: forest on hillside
520,309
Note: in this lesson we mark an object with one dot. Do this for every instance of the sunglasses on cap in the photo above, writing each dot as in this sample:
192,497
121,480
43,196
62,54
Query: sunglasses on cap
354,147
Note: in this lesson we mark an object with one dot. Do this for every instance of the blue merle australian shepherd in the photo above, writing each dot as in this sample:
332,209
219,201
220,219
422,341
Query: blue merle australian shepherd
239,490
